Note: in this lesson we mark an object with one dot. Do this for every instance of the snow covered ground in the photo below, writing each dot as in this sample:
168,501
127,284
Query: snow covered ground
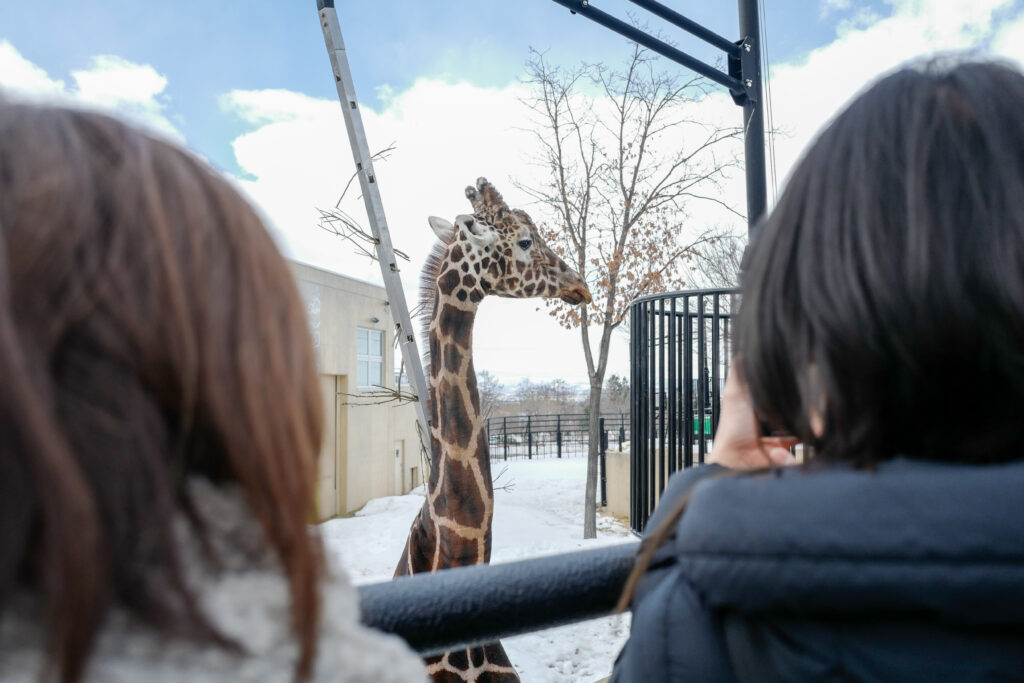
538,511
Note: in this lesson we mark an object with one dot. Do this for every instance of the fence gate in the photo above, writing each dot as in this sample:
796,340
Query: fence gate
681,346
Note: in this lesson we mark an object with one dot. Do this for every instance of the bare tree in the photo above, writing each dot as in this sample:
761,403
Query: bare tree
621,166
718,263
492,392
615,398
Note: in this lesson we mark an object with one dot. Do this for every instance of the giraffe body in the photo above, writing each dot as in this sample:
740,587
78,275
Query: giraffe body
495,251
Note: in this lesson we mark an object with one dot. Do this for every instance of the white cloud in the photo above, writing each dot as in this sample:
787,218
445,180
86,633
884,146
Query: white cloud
110,83
22,78
1009,41
806,93
298,157
827,7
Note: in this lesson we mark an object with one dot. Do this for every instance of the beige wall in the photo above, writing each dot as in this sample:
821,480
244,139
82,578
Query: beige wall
358,458
617,483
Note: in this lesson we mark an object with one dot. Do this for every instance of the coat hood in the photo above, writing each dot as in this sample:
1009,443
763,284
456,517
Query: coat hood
914,538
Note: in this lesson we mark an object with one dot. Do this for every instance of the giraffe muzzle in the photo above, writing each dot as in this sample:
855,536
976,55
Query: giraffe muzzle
577,294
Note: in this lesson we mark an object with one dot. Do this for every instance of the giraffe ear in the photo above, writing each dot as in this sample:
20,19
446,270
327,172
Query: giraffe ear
479,233
444,230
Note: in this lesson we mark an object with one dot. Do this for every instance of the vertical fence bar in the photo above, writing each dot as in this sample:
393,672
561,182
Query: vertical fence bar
643,427
652,391
558,435
661,396
688,385
634,412
678,323
504,435
604,470
715,389
529,439
639,439
701,388
622,430
673,408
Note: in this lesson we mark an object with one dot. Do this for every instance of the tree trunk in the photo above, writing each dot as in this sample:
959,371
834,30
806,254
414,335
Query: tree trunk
593,449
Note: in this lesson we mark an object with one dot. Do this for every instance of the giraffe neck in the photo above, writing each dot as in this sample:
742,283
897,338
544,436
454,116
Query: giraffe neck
454,525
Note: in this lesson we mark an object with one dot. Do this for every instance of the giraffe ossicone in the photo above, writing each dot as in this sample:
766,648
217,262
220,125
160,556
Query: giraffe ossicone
495,251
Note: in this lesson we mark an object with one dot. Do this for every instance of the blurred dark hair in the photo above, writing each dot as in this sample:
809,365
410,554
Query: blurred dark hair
886,289
149,332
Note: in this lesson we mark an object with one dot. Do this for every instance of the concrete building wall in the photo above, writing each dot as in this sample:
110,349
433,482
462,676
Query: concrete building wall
369,450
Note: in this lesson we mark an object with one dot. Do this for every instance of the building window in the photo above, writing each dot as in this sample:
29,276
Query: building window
370,358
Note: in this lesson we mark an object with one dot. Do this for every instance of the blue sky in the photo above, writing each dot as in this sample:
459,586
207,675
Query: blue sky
206,48
248,85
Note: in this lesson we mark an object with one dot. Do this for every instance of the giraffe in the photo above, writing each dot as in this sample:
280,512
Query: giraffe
496,251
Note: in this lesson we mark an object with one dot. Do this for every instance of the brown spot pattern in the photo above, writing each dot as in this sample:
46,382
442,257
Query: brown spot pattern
456,426
448,282
456,324
452,358
467,511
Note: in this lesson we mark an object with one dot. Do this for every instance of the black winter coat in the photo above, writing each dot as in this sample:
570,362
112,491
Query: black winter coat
911,572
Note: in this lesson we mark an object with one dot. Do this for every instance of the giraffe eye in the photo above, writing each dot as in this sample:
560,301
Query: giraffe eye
525,244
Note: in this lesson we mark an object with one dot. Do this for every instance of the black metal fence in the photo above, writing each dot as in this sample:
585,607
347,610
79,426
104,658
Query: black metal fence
681,349
538,436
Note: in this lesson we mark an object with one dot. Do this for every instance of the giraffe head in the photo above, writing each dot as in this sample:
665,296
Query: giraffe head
499,251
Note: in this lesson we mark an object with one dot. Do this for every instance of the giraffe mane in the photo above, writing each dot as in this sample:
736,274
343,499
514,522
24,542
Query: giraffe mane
428,298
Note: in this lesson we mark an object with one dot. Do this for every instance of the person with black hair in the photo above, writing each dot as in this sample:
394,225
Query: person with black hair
882,324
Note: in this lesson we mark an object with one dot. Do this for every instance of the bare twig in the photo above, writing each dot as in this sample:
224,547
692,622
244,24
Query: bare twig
507,486
337,222
383,155
380,395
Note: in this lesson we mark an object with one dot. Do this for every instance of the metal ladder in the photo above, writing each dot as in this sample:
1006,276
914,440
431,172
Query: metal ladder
374,208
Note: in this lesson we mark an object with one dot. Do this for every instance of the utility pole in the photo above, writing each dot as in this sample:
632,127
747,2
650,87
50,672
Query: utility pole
374,209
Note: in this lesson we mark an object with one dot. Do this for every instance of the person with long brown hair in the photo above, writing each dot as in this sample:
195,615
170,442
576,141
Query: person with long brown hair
882,324
159,425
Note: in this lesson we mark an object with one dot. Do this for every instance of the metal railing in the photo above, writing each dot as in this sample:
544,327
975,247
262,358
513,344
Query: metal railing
468,606
565,435
681,349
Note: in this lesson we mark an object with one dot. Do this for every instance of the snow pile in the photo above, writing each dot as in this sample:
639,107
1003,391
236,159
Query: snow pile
538,511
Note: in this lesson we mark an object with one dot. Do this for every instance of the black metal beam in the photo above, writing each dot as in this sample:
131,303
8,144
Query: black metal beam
584,8
468,606
688,25
753,114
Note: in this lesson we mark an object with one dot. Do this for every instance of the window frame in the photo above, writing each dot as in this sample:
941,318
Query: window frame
370,358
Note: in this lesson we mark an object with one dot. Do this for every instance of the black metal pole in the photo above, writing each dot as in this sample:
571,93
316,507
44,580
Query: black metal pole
753,114
604,462
529,439
688,25
584,8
